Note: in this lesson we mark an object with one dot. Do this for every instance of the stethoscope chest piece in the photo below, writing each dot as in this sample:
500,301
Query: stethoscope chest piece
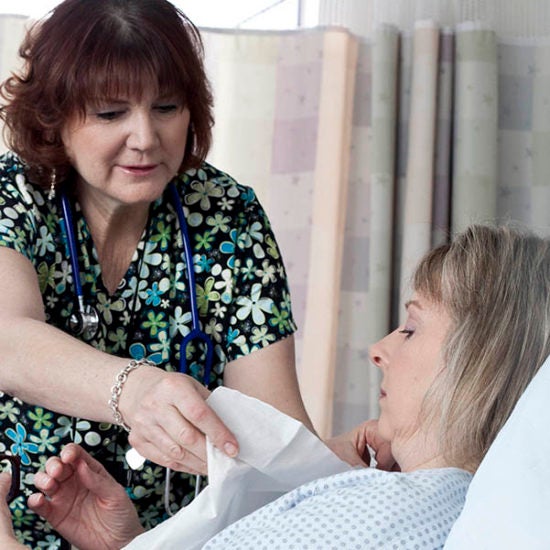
84,322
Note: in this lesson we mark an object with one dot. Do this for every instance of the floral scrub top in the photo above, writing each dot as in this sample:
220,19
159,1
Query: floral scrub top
242,297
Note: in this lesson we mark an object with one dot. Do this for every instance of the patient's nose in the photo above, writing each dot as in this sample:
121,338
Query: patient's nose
380,352
377,353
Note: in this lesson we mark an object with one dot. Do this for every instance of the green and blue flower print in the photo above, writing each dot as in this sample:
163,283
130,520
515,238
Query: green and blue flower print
242,296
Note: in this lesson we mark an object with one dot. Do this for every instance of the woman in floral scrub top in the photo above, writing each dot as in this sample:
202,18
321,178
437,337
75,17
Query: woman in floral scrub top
123,117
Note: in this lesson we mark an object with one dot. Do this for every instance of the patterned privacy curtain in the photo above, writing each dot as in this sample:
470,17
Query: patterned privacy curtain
12,30
450,125
283,110
366,148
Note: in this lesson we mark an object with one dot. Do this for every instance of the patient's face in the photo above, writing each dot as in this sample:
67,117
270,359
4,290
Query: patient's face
410,359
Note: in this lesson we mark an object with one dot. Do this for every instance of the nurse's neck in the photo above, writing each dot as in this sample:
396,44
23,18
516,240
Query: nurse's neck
116,231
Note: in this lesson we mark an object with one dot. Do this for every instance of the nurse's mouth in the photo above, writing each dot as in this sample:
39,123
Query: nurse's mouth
139,170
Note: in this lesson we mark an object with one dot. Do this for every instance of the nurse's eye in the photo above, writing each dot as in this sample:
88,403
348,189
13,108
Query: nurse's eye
166,108
109,114
408,332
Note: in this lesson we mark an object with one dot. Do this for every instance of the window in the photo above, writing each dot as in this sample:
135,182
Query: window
246,14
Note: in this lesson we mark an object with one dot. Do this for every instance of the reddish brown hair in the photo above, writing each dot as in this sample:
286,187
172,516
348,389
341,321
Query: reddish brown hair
86,51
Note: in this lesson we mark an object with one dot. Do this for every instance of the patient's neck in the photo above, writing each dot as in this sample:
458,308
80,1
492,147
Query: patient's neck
410,464
419,451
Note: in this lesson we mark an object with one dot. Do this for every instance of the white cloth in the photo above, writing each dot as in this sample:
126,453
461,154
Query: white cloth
277,454
508,503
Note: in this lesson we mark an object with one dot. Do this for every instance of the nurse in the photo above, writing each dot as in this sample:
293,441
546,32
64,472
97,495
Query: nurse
110,120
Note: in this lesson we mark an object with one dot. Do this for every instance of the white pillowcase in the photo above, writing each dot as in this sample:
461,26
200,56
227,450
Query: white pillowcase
508,502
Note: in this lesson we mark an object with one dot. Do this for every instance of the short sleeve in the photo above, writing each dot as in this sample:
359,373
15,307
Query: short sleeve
261,311
18,227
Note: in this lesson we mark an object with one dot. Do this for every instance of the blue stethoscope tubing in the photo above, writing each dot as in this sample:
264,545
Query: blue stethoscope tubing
196,333
69,231
87,312
85,320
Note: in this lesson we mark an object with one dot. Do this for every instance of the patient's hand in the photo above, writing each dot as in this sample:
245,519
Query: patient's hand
352,446
85,504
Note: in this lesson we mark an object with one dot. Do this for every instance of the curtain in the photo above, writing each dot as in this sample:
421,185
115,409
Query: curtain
12,30
509,18
283,110
450,125
371,144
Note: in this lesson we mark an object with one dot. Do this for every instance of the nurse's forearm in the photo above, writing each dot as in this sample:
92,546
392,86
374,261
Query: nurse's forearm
42,365
9,543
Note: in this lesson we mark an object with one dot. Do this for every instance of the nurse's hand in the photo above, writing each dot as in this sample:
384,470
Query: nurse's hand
352,447
83,502
169,420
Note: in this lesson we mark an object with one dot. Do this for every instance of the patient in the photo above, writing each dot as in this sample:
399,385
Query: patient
477,331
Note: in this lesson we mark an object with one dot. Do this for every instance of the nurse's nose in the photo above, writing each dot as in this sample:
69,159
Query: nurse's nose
142,132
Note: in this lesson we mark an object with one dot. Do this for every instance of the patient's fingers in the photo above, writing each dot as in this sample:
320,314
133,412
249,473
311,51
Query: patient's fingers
384,458
380,446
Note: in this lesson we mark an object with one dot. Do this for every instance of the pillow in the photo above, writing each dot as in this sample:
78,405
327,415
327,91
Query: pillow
508,502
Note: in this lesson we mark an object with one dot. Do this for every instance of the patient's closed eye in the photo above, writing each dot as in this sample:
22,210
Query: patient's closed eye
407,331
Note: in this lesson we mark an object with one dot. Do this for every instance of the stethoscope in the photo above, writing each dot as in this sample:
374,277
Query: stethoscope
84,321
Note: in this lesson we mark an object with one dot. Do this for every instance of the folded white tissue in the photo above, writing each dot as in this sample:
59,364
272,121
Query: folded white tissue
277,454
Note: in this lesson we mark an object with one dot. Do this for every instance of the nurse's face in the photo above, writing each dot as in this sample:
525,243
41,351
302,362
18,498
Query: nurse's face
124,150
410,359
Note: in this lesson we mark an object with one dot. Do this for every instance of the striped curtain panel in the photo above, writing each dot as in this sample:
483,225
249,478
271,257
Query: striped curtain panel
283,110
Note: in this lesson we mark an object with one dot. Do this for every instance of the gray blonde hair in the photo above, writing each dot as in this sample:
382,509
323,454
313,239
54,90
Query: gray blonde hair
495,285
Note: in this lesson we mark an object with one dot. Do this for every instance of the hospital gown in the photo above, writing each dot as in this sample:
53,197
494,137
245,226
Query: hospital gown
359,509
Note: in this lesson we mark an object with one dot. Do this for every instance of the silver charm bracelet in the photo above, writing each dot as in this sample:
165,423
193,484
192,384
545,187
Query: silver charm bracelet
116,390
